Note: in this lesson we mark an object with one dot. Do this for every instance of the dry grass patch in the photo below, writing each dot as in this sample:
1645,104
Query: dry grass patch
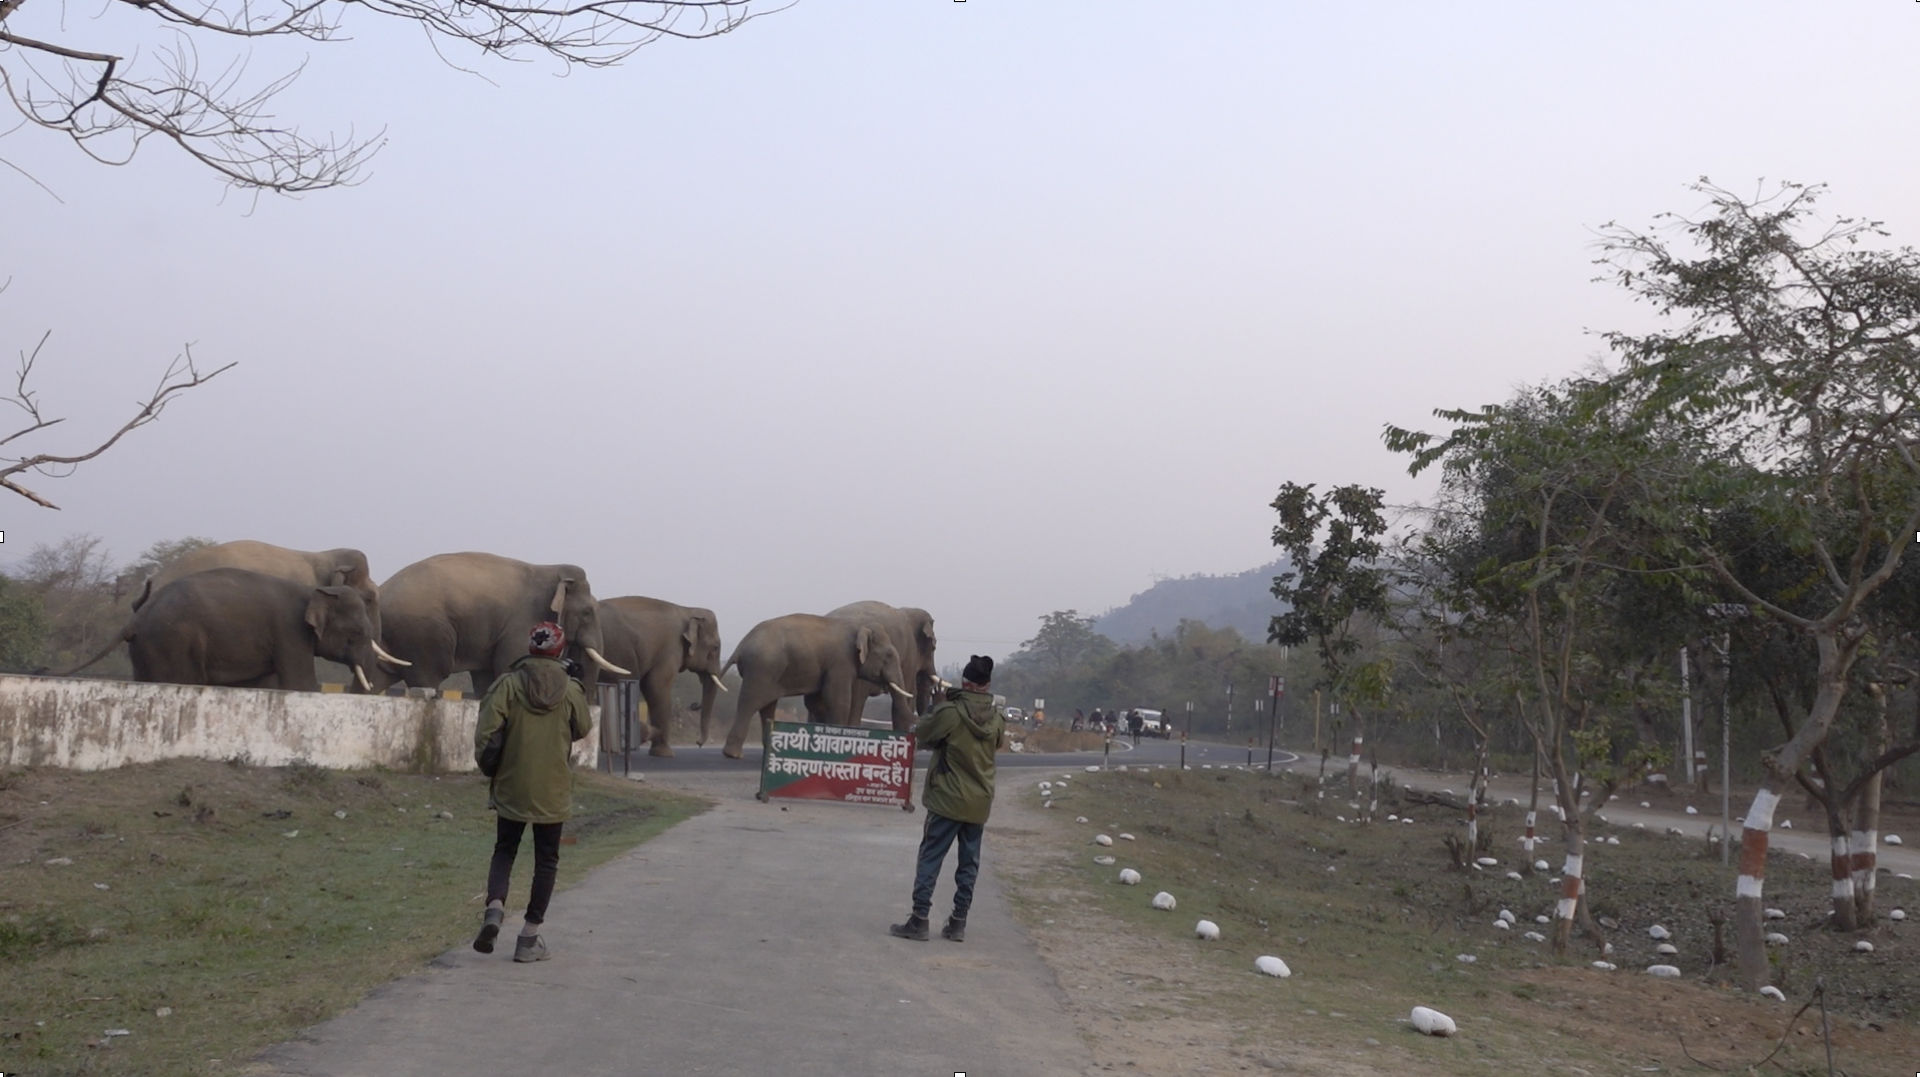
210,910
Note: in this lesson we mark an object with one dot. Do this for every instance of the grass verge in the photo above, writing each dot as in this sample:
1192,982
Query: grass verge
1374,920
208,910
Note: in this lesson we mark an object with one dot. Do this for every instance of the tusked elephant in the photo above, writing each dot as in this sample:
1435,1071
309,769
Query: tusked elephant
801,654
471,612
911,632
244,629
656,640
318,568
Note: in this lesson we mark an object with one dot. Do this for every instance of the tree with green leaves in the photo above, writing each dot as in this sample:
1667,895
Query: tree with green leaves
1791,373
1337,579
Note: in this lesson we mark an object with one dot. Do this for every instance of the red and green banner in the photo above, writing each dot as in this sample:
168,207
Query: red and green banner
833,762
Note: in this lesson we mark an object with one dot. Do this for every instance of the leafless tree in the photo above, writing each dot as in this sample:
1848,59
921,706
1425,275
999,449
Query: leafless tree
109,104
181,375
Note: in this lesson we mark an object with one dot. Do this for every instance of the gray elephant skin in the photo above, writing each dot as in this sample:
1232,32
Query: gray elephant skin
317,568
656,640
244,629
819,658
911,632
471,613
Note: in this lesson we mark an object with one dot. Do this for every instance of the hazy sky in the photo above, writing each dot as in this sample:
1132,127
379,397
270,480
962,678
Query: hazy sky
993,308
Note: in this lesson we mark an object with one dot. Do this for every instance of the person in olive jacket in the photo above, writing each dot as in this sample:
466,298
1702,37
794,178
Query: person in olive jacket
963,731
529,720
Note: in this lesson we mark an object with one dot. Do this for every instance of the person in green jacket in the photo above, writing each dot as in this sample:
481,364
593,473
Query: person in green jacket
963,731
529,720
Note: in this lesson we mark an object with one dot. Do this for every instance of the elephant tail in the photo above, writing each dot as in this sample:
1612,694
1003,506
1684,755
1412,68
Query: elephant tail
119,637
139,600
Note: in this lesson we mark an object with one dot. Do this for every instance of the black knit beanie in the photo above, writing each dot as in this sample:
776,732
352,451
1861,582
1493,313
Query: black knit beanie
979,670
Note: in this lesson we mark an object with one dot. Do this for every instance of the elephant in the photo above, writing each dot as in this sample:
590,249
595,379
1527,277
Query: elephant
321,568
657,640
471,612
802,654
911,631
243,629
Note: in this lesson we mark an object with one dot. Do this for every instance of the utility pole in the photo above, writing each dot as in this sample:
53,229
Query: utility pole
1276,687
1229,708
1726,613
1183,737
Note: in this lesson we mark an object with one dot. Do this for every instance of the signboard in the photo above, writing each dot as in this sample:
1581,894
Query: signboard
832,762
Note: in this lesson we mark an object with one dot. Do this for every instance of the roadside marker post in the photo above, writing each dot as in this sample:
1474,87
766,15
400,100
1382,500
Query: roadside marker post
1276,688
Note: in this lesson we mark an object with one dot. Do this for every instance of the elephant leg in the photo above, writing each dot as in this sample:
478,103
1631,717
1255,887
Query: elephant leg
658,692
755,697
835,698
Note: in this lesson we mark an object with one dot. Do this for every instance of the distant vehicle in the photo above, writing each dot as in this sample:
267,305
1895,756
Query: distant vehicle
1015,714
1154,724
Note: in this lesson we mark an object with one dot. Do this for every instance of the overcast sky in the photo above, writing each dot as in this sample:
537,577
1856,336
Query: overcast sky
993,308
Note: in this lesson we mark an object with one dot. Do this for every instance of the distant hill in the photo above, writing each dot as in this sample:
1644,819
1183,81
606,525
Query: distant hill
1242,601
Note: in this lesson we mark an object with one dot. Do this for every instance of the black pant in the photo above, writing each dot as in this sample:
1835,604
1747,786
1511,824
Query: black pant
940,835
546,863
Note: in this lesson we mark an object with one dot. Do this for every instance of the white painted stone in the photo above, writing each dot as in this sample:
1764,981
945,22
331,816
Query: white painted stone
1164,901
1102,839
1666,949
1104,861
1272,966
1773,993
1207,929
1656,932
1863,947
1665,972
1774,938
1605,966
1432,1022
1129,877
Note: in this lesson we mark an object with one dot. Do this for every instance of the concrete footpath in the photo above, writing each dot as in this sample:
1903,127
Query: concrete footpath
749,941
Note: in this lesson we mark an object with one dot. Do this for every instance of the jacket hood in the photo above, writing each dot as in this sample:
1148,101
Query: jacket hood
546,681
978,715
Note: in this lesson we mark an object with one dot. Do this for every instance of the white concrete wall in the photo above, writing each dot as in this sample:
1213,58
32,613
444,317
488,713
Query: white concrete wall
86,724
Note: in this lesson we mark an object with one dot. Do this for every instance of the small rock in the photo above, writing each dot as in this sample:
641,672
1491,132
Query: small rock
1487,862
1163,901
60,862
164,1011
112,1032
1645,804
1773,993
1786,824
1605,966
1103,861
1666,949
1126,837
1541,865
1501,924
1432,1022
1102,839
444,814
1207,929
1272,966
1891,839
1691,810
1080,819
341,814
1657,932
1774,938
1543,919
101,886
1129,877
1534,936
1776,914
1611,840
1863,947
1465,959
1514,875
1507,915
1665,972
291,834
1897,914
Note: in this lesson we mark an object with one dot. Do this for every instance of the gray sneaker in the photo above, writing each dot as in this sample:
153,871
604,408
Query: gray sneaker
489,930
530,948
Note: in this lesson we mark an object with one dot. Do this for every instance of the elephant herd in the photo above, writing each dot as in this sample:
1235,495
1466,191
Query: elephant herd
249,614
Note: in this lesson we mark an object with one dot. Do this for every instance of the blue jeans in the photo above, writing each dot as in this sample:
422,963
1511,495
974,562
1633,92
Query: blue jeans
939,834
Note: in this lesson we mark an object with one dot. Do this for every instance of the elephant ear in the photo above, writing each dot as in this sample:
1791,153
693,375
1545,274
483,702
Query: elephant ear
560,597
690,637
861,641
926,635
319,608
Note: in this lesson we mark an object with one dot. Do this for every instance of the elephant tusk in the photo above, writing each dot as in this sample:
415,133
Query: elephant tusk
387,658
365,686
897,690
606,665
717,682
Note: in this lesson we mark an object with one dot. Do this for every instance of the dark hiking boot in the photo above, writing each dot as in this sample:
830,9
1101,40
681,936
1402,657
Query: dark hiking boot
489,930
956,929
529,948
915,928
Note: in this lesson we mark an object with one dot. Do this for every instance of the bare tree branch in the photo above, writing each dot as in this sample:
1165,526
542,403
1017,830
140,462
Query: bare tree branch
181,375
109,104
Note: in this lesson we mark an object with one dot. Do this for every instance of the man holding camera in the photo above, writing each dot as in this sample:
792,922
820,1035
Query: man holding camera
529,720
963,731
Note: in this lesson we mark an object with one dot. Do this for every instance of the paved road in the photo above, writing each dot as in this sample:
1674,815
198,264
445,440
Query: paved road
749,941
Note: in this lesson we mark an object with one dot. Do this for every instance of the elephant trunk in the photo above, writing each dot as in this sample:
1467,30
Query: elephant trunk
710,689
